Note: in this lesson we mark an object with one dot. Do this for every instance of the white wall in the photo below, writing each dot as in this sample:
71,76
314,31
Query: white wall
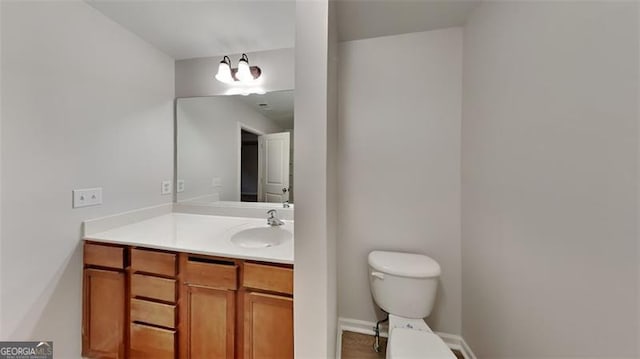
195,77
549,180
315,317
399,157
84,103
208,143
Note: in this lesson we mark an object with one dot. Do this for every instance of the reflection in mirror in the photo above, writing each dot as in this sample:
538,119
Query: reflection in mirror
235,150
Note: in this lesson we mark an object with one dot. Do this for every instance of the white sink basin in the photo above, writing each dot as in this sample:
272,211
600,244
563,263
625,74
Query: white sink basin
261,237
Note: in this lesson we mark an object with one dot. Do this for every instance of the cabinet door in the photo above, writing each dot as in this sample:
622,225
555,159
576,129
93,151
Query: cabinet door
207,322
103,322
268,326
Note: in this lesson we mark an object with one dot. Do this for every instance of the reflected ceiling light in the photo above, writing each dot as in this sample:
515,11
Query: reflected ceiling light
243,74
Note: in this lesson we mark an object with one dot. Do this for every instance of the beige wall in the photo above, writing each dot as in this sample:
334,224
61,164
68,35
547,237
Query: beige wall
400,102
549,149
332,179
314,280
84,103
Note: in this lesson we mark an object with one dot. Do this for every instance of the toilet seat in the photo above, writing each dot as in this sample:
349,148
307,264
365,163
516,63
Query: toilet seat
417,344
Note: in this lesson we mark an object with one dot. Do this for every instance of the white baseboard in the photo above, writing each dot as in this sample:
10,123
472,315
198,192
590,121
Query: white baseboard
364,327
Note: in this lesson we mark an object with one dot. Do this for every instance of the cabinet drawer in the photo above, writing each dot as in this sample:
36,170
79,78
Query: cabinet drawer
103,256
266,277
149,342
153,287
211,273
153,262
148,312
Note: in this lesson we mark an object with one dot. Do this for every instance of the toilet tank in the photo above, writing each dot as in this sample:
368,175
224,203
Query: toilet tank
403,284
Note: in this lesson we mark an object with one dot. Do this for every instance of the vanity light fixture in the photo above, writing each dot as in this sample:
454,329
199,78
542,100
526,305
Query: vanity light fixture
224,71
244,73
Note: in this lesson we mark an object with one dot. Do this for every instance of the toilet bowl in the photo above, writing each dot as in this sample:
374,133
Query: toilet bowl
412,338
416,344
404,285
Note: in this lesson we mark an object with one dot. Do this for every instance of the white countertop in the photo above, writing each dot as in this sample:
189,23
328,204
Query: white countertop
200,234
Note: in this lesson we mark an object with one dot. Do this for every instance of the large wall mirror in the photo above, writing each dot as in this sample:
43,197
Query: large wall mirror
235,150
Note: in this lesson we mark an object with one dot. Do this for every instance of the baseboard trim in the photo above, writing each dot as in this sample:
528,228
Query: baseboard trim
364,327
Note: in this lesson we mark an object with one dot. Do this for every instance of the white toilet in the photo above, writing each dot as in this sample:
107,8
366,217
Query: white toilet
404,285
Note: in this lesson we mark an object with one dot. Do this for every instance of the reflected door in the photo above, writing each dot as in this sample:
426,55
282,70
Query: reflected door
274,167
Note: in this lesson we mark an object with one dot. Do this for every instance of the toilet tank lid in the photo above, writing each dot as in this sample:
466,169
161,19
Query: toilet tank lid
404,264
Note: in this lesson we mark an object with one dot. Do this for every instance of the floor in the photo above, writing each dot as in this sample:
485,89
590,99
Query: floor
360,346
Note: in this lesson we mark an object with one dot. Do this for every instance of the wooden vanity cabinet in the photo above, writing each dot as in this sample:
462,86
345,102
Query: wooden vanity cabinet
207,307
144,303
267,311
103,302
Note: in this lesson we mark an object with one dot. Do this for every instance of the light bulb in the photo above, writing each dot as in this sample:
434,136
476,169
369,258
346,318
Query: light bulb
224,73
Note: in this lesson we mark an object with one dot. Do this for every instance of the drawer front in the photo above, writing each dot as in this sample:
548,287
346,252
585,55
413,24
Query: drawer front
266,277
153,262
160,314
149,342
216,274
153,287
103,256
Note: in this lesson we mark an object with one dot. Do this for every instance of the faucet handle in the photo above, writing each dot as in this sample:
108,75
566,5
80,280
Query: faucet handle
272,213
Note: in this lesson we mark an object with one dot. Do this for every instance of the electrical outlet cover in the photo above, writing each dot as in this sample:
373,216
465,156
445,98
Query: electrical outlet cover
87,197
166,187
180,186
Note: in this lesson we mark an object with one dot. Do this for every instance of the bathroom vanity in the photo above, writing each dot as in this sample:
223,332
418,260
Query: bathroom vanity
178,286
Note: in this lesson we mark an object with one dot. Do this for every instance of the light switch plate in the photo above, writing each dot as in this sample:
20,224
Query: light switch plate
180,186
166,187
87,197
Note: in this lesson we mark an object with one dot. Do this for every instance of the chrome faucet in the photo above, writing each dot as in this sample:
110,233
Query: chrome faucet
285,204
273,220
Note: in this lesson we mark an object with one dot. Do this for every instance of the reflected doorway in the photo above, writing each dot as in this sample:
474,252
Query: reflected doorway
249,171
